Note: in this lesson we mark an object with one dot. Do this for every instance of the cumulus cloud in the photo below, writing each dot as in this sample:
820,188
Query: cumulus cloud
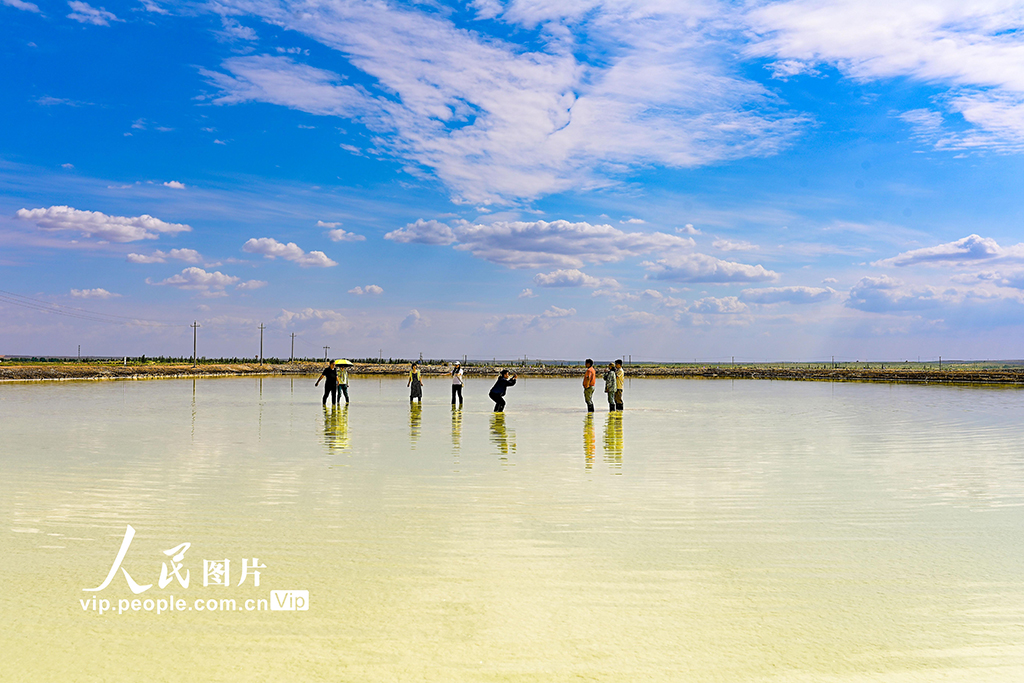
518,323
97,293
331,321
704,268
718,306
339,235
100,225
688,229
198,279
272,249
886,294
527,294
496,122
251,284
789,295
174,184
423,232
970,249
186,255
413,320
368,289
572,278
84,13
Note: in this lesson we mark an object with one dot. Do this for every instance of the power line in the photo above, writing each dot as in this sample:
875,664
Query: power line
79,313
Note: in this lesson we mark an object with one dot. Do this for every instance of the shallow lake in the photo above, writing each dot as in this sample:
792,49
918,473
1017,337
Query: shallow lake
713,531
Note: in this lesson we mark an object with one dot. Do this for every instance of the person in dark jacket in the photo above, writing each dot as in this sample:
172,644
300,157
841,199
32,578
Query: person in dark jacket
498,390
330,373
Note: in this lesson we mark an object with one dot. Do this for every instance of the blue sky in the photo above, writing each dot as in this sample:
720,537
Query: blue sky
672,180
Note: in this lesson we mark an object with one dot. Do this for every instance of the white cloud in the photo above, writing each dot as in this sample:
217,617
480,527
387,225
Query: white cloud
158,256
151,6
67,166
368,289
251,284
86,14
413,320
100,225
339,235
527,294
790,295
633,221
322,224
332,322
423,232
175,185
518,323
198,279
728,305
733,245
688,229
496,122
540,244
19,4
97,293
704,268
233,30
974,49
970,249
572,278
271,248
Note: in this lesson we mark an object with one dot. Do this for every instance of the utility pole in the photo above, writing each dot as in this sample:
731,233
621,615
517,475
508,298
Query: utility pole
293,347
79,352
195,326
326,349
262,327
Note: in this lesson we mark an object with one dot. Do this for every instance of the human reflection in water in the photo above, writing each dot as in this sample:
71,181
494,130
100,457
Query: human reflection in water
613,440
336,428
501,436
589,440
415,416
456,429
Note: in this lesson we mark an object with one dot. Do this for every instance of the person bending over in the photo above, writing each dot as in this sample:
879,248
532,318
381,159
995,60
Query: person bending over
498,390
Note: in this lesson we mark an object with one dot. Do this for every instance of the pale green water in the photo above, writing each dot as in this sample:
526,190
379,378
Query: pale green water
715,531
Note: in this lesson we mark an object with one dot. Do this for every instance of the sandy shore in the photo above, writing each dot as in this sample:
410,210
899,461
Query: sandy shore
11,371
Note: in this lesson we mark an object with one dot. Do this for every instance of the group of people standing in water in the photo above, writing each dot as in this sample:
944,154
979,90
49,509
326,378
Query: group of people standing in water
614,380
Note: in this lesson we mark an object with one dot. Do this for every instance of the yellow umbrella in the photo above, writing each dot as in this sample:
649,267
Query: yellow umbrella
343,361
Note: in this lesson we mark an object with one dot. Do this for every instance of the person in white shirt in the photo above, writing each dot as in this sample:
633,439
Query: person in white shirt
457,383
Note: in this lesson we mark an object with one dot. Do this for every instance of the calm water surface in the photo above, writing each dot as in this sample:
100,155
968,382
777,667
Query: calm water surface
715,531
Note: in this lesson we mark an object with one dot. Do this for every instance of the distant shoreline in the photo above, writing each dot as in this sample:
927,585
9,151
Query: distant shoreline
896,373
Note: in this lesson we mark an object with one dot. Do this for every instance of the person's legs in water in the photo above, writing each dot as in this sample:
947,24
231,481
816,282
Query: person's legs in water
344,390
588,396
611,402
618,399
332,392
499,403
457,391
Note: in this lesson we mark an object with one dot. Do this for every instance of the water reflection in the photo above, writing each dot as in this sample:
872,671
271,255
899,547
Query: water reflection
589,440
336,428
501,436
415,418
613,440
456,429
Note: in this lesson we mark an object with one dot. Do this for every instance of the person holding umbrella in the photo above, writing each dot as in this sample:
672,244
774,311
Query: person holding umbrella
343,366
